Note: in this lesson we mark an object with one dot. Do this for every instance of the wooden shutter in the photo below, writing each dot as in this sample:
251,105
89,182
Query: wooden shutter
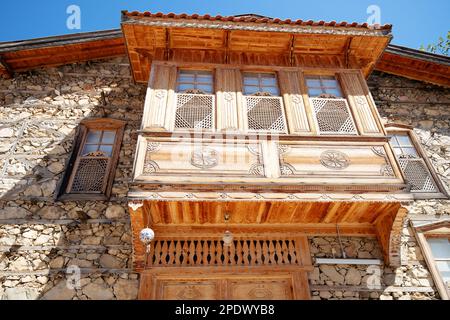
90,176
358,96
158,107
294,102
227,86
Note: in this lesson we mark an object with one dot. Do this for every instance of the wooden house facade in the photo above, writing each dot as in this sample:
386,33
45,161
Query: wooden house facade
257,136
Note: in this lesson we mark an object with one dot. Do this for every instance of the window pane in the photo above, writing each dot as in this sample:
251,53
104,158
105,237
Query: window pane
88,148
393,141
186,78
398,151
410,151
313,83
205,87
93,136
250,80
108,137
248,90
107,150
404,140
440,248
269,80
272,90
330,83
314,92
444,269
184,87
334,92
204,77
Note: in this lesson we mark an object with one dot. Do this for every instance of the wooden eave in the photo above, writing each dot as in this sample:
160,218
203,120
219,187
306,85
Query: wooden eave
26,55
193,40
53,51
416,65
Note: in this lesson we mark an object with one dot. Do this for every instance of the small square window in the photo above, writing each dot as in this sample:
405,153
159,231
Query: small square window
193,81
260,83
323,86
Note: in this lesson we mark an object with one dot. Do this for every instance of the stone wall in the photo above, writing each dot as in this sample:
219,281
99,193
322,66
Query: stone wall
39,237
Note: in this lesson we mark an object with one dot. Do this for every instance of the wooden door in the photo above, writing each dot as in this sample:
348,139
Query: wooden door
159,284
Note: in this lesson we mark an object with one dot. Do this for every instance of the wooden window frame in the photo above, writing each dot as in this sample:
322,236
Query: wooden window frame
260,85
423,233
320,78
195,83
103,124
401,129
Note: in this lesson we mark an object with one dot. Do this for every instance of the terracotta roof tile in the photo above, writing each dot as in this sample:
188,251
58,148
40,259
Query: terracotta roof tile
256,19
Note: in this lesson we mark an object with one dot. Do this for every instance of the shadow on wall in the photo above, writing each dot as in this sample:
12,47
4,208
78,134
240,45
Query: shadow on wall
63,250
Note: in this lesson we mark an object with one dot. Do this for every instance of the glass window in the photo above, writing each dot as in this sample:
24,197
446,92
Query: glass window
195,81
323,86
440,249
99,141
261,83
403,146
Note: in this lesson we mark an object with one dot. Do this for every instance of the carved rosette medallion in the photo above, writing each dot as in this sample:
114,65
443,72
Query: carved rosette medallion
260,292
228,96
205,158
335,160
189,293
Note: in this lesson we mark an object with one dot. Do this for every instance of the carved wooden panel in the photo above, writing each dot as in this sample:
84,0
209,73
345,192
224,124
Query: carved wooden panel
366,116
293,99
213,158
159,96
227,86
257,289
334,161
189,290
224,284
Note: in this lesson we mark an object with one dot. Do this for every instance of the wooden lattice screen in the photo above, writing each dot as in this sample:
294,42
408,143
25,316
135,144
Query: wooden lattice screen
202,252
417,175
265,113
333,116
194,111
90,174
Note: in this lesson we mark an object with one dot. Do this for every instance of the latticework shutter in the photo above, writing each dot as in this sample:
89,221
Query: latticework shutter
90,175
333,116
417,175
265,113
194,111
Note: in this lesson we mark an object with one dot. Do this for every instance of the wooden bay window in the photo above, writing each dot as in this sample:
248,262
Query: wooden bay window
414,163
90,171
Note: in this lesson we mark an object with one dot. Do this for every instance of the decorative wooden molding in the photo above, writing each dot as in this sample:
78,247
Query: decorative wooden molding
135,205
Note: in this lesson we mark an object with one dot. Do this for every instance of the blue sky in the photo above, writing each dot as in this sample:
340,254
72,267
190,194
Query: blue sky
415,22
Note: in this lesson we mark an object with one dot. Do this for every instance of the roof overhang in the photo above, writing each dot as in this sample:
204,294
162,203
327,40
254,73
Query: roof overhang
231,40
